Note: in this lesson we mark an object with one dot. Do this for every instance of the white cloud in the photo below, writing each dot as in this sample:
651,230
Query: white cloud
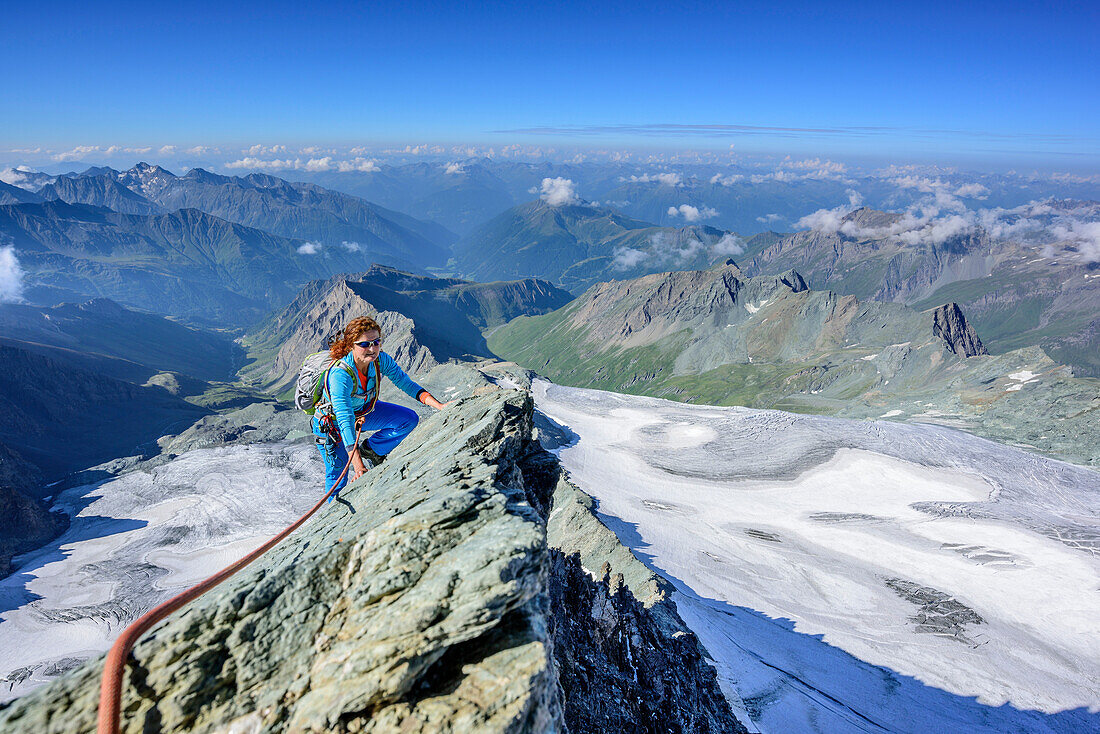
319,164
202,150
691,213
453,169
14,176
77,153
826,221
167,150
770,218
811,168
558,191
627,258
263,165
1085,236
11,276
423,149
972,191
351,246
362,165
726,180
309,248
313,165
665,179
728,244
257,150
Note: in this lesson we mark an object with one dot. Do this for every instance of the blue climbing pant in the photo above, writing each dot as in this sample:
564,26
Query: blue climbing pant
390,422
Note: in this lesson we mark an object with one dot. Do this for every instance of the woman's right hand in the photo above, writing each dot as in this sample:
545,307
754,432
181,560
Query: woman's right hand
358,468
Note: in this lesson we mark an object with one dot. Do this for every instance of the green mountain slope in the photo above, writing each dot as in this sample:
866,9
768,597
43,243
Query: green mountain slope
718,337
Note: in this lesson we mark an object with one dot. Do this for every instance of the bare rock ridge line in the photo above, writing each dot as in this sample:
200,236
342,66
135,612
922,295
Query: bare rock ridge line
466,586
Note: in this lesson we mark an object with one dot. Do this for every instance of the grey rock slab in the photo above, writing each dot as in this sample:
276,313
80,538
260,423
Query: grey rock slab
368,617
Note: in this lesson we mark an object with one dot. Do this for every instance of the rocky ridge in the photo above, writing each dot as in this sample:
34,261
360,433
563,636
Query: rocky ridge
949,324
425,321
467,585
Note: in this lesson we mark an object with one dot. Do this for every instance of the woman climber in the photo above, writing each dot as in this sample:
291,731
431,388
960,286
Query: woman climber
351,396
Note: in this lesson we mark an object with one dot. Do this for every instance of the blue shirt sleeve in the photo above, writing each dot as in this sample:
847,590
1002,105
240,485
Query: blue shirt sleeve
341,384
398,377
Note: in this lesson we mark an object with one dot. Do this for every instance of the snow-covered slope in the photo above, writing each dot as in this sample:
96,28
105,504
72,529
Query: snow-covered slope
856,575
137,540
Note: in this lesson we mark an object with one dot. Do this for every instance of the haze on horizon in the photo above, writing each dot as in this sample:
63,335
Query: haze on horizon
980,86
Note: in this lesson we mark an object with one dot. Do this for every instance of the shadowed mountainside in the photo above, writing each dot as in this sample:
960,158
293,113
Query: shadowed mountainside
102,336
61,418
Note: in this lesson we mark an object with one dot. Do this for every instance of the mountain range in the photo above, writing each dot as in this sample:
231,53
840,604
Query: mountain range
1016,294
187,263
295,210
718,337
576,245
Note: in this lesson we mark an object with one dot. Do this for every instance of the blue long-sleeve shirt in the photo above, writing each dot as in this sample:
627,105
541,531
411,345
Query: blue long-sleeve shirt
347,395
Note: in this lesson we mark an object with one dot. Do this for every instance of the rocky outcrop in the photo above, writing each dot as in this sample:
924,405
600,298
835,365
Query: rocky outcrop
25,523
650,308
425,320
337,307
949,324
433,600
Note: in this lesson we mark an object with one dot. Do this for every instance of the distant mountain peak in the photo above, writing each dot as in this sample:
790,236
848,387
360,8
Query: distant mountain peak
147,179
204,176
868,218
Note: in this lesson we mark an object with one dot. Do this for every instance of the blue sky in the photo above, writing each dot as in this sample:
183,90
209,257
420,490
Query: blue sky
1003,81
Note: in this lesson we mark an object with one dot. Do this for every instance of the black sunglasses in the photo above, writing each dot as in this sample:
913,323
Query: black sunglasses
372,343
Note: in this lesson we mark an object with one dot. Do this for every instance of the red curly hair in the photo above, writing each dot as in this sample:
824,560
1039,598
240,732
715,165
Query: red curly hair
342,343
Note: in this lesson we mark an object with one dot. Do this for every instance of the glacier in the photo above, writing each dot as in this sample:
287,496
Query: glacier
850,576
136,540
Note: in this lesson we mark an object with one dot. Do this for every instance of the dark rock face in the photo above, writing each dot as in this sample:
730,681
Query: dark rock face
626,661
618,670
24,523
949,324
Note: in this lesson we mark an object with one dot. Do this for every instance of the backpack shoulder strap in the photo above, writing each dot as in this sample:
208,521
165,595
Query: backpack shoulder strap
324,378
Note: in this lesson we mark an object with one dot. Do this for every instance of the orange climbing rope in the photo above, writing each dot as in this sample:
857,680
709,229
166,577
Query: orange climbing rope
110,690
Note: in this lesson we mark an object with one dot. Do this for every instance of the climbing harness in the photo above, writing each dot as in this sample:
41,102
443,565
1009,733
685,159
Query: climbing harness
110,690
